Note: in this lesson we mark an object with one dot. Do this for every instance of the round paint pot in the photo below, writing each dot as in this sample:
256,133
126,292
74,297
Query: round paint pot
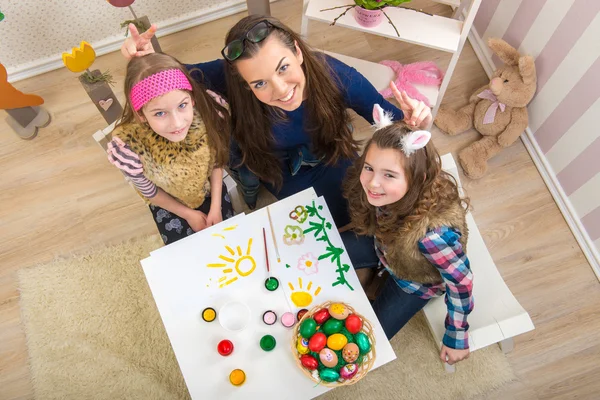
288,320
271,284
209,314
269,317
234,316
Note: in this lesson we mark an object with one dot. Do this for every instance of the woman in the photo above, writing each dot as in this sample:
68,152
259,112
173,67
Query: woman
288,109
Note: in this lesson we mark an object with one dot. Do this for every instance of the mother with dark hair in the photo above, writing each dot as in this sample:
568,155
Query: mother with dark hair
288,103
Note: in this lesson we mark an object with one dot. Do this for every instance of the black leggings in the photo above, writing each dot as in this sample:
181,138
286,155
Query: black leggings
173,227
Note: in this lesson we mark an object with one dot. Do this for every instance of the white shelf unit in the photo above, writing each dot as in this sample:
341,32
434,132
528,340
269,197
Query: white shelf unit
433,31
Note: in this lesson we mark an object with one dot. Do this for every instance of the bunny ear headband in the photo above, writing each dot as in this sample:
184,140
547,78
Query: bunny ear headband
411,142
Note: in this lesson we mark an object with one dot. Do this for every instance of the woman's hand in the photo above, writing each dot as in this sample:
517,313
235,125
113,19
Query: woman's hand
416,113
197,220
452,356
214,217
137,45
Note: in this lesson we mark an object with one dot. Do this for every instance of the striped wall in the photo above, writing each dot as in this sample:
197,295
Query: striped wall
564,126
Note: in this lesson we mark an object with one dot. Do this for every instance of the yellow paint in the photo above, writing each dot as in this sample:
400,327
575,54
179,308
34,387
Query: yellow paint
80,58
218,235
230,228
309,285
222,257
221,279
302,298
308,263
318,291
249,246
300,282
291,286
230,250
239,249
227,270
216,265
245,271
243,265
235,278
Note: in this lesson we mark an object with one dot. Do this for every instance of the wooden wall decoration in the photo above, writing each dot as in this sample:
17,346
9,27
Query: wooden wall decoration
95,83
25,115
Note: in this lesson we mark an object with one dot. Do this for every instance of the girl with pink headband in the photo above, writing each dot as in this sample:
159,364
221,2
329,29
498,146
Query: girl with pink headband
172,143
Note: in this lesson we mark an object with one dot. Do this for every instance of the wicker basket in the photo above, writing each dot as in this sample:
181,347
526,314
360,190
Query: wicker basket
368,359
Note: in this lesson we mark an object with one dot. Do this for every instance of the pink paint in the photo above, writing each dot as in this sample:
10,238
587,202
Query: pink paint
570,109
581,170
288,320
368,18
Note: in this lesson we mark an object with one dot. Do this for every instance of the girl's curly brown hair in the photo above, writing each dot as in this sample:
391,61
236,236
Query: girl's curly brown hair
430,189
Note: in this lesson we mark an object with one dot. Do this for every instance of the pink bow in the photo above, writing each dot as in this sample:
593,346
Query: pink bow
423,73
490,114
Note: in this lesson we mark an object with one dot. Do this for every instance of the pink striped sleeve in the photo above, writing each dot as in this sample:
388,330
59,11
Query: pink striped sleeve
121,156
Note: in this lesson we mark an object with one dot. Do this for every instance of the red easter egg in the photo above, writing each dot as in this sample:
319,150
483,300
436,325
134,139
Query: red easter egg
225,347
309,362
317,342
353,324
321,316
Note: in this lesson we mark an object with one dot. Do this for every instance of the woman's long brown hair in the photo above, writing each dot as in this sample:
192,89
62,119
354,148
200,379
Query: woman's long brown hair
328,122
215,117
430,189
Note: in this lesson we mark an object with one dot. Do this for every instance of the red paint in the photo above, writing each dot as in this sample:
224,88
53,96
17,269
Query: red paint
225,347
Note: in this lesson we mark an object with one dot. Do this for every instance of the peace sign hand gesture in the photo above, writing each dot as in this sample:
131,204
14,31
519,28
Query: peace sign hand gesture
416,113
137,45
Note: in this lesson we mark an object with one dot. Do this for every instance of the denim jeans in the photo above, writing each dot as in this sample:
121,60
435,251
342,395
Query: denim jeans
393,307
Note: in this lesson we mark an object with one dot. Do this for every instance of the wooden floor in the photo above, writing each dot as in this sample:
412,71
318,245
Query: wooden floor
59,195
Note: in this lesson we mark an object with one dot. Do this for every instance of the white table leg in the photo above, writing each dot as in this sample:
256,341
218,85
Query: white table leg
507,345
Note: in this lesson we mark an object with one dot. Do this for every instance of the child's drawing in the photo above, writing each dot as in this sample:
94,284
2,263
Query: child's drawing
319,229
293,235
219,235
299,214
303,298
235,264
309,264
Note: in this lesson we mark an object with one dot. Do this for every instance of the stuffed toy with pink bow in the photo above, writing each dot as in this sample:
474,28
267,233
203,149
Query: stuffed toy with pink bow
498,111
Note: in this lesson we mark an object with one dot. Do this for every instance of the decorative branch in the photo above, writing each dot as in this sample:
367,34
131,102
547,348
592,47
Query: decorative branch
391,23
333,8
103,77
341,15
332,251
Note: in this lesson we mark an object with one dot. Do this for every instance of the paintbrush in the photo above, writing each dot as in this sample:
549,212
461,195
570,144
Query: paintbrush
266,252
273,233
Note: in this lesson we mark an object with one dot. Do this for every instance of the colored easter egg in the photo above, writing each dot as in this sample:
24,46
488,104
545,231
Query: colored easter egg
362,341
321,316
309,362
336,341
332,326
237,377
328,358
301,314
317,342
348,371
353,323
225,347
302,345
329,375
308,328
350,352
338,311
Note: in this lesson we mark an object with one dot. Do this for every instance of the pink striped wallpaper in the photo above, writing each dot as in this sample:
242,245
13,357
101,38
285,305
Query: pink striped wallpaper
564,37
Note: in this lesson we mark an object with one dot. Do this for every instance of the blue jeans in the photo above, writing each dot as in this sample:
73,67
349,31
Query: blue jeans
393,307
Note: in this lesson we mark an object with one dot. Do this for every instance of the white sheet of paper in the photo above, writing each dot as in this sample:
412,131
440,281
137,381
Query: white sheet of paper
183,285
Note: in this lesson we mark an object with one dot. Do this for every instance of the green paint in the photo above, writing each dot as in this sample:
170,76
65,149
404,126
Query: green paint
319,230
287,266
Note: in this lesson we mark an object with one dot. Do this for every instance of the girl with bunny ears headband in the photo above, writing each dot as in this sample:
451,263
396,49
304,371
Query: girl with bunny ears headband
398,193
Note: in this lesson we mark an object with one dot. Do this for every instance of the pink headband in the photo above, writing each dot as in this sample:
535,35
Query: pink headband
157,85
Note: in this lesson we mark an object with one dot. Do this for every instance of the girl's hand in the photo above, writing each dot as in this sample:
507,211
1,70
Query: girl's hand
416,113
214,217
452,356
197,220
137,45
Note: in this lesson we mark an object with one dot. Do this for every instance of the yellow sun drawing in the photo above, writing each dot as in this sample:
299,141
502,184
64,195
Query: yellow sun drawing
243,265
229,228
303,298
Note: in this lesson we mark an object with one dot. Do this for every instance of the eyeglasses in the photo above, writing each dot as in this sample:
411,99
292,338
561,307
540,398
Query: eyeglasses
234,49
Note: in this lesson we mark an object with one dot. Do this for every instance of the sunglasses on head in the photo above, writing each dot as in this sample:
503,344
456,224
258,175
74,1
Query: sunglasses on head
234,49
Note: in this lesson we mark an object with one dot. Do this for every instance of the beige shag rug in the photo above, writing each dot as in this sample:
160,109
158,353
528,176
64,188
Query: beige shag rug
93,332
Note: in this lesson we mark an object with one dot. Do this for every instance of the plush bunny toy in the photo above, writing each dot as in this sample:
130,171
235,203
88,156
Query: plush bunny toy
497,110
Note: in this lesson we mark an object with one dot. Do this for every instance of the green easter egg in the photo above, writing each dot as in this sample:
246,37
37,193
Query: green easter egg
332,326
308,328
329,375
362,341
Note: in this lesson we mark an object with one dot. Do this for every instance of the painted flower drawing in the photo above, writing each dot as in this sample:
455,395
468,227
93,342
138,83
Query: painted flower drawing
293,235
309,264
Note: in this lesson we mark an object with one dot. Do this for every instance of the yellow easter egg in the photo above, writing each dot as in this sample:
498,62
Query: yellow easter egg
339,311
336,341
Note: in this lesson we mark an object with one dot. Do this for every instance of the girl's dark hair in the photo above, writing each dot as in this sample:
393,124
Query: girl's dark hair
430,188
328,122
214,116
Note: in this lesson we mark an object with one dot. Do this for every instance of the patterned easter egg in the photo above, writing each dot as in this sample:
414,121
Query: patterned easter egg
338,311
332,326
302,345
350,352
321,316
336,341
308,328
328,358
309,362
353,323
317,342
329,375
348,371
362,341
